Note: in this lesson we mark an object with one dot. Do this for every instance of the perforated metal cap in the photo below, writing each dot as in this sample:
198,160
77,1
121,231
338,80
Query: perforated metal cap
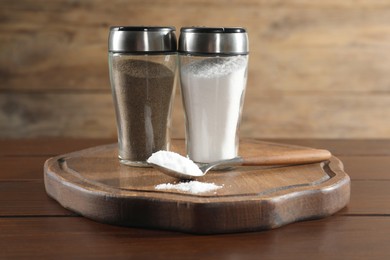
147,39
213,40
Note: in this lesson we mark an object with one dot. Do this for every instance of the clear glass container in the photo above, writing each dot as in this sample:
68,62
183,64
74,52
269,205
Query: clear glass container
213,73
143,86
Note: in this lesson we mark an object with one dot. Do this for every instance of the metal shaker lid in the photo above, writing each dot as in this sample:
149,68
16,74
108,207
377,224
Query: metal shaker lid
149,39
213,40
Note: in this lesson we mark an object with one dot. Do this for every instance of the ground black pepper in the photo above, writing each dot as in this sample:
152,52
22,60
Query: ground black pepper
142,92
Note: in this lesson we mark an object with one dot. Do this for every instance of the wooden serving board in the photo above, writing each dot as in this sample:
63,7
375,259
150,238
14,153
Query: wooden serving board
94,184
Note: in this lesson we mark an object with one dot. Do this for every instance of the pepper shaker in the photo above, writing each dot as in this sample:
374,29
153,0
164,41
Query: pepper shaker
142,66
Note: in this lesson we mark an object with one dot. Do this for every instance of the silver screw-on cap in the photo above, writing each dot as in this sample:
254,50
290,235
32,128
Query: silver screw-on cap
142,39
213,40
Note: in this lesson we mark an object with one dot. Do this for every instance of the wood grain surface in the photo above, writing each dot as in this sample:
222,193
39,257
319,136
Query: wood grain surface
33,226
94,184
317,68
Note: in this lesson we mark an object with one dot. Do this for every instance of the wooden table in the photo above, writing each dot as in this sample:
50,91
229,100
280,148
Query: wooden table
32,225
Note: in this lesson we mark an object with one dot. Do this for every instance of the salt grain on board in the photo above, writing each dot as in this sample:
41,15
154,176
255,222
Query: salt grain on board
193,187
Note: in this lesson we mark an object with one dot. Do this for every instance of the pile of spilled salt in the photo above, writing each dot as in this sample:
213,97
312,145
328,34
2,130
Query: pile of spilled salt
179,163
175,162
194,187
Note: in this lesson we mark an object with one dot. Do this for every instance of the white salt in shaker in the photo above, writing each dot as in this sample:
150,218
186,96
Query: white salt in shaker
213,74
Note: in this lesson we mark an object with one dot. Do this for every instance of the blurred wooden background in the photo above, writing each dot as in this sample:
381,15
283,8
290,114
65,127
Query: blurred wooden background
318,69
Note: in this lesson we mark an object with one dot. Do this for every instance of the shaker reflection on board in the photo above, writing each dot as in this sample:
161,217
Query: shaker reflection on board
142,65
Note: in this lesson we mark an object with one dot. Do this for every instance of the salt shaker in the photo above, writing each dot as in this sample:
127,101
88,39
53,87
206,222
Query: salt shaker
142,65
213,73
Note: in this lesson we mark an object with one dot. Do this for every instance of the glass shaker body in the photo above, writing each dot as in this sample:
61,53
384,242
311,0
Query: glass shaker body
213,74
143,86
